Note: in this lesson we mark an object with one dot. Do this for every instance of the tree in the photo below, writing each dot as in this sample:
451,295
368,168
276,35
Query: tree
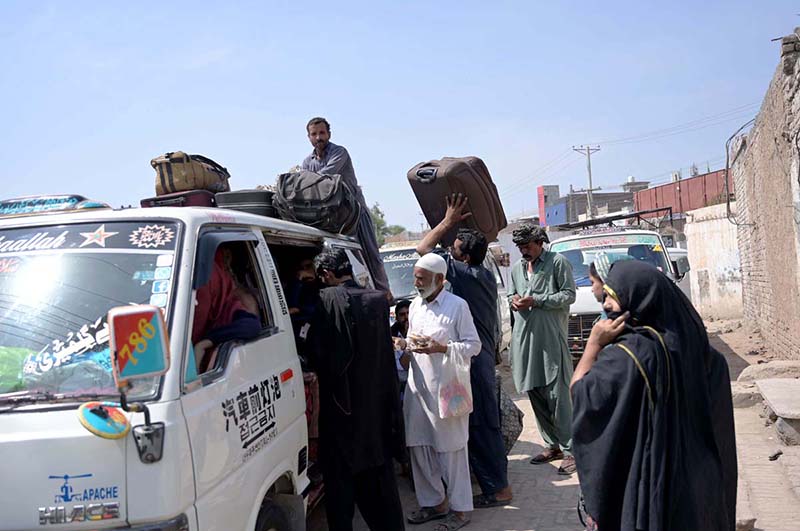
382,230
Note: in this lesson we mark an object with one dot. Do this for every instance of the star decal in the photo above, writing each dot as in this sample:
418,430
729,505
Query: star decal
99,236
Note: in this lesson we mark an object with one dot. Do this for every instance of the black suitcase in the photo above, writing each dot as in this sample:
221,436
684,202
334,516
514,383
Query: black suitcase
201,198
251,201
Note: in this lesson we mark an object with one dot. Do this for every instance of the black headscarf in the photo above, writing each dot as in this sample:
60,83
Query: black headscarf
653,419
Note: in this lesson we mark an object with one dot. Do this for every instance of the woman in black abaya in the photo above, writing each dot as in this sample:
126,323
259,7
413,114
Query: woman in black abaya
652,413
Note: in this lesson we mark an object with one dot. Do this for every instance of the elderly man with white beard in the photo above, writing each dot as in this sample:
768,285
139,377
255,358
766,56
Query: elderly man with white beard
441,332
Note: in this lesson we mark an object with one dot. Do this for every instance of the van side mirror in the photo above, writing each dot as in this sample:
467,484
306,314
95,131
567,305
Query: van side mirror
139,346
681,266
138,342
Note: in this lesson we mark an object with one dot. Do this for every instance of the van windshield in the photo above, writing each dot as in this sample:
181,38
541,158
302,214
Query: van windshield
581,252
57,285
399,266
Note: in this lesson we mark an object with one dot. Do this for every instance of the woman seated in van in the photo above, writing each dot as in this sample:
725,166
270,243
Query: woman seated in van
224,312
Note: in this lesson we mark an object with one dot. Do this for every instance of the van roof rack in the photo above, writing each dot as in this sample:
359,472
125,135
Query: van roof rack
639,216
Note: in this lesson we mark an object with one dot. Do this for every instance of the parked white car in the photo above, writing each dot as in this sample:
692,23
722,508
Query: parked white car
580,249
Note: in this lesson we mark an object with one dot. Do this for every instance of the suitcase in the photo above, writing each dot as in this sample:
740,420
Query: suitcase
433,181
252,201
200,198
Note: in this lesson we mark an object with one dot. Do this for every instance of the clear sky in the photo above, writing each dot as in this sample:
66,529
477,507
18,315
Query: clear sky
91,91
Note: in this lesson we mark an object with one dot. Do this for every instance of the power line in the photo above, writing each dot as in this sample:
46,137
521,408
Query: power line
686,127
536,172
550,173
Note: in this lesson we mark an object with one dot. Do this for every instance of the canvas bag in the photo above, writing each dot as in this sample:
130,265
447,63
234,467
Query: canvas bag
177,171
510,416
455,389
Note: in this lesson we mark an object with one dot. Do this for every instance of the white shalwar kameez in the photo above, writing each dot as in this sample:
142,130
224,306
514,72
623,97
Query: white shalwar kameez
438,447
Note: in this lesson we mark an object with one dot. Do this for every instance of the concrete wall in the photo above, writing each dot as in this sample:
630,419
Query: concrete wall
713,250
766,170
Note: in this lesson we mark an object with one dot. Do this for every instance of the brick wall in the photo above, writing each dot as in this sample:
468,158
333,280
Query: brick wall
766,171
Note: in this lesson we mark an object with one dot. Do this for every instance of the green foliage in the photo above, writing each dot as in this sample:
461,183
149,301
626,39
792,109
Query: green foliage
382,230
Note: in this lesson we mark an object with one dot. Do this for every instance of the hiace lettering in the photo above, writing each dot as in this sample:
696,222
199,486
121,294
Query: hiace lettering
78,513
41,241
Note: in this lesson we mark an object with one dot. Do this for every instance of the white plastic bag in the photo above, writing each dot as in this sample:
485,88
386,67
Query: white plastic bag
455,389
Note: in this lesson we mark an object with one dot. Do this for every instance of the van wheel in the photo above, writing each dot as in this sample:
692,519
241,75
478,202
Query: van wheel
271,518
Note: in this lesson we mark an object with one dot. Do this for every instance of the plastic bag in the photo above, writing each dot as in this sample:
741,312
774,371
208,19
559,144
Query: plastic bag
455,390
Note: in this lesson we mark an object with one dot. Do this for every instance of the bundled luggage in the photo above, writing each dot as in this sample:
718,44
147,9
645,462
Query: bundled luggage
179,172
252,201
325,202
435,180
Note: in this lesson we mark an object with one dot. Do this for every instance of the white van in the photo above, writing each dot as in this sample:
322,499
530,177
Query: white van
225,449
619,243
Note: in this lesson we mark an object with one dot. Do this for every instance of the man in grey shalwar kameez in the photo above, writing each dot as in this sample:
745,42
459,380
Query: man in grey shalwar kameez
331,159
541,292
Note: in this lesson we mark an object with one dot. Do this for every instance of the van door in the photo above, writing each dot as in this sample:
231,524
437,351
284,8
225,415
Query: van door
246,412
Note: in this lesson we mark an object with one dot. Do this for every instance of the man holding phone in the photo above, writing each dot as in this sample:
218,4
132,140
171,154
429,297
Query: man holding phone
541,292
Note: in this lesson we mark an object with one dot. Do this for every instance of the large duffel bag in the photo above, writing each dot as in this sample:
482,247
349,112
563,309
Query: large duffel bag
178,172
252,201
434,180
201,198
325,202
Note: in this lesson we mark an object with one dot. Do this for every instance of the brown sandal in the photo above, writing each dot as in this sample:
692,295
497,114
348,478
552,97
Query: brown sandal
425,514
550,454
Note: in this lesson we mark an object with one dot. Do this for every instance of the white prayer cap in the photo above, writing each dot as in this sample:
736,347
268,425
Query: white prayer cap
434,263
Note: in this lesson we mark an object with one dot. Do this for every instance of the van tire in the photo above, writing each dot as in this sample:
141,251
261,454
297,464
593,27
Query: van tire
272,518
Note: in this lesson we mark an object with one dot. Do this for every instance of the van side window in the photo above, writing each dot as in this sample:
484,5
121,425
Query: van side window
231,306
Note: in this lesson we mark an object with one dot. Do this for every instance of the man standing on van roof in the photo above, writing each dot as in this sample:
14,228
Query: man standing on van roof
360,422
475,284
331,159
541,292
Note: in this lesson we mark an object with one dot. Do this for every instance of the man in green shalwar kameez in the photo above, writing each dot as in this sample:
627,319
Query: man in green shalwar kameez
542,289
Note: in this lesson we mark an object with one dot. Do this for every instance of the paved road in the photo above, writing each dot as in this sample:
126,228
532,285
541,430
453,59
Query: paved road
543,500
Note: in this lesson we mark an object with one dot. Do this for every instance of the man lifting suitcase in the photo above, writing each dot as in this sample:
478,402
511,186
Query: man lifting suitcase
328,158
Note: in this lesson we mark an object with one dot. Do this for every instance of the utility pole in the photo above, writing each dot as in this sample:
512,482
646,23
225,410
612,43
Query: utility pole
588,150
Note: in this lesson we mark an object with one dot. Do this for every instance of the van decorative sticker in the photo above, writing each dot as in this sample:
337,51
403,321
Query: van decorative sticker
9,265
605,241
71,349
400,256
160,286
253,413
91,236
99,236
279,290
152,236
164,260
93,501
144,276
163,273
159,299
41,241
